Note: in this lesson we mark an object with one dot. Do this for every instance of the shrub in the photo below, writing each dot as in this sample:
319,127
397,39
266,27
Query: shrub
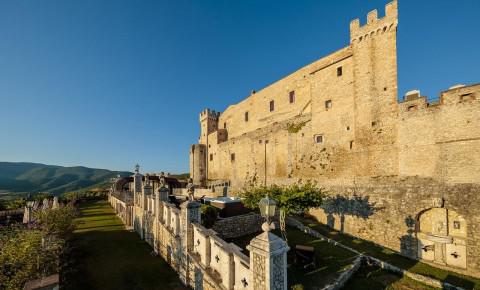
209,215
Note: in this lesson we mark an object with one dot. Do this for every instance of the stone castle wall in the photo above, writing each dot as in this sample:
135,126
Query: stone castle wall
398,155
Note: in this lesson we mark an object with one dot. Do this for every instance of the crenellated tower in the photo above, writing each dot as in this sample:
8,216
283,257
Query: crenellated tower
208,124
374,47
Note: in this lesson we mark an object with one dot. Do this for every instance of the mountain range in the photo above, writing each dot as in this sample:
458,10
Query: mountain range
25,177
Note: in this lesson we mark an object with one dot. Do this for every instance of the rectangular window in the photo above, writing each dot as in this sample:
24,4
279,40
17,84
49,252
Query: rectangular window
467,97
318,139
291,96
456,225
246,116
339,71
328,104
272,106
225,125
211,157
232,157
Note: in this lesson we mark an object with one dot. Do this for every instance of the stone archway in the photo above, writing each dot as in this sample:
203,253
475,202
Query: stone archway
442,235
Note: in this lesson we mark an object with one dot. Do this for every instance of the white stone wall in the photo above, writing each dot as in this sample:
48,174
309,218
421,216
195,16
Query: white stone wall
232,270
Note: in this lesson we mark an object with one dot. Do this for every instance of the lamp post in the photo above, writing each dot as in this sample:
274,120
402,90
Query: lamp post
267,210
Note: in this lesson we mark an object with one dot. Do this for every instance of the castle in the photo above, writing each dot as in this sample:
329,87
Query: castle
414,165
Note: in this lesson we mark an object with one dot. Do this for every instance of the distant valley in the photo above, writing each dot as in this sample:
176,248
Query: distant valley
20,178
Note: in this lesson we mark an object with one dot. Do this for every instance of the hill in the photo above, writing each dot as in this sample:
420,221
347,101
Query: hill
23,177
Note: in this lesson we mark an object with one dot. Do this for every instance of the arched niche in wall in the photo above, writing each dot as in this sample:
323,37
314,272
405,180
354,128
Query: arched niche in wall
442,235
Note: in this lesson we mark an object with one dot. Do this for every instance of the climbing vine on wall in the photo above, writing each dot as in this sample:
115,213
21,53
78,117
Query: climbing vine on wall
295,127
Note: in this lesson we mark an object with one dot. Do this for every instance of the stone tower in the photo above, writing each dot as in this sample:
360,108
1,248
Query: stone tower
198,166
374,47
198,152
208,124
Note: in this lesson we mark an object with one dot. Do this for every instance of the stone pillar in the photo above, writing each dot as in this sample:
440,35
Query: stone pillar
27,214
55,203
161,199
190,213
268,262
164,193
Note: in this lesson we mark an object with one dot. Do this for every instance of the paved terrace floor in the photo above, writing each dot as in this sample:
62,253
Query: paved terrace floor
107,256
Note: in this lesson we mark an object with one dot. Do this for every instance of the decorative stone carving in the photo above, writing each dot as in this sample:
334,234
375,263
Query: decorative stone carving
268,259
162,181
258,271
190,189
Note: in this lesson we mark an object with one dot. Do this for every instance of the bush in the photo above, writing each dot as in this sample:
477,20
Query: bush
27,255
57,221
209,215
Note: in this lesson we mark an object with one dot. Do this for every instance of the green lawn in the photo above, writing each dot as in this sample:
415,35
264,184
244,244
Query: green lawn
331,260
394,258
106,256
374,278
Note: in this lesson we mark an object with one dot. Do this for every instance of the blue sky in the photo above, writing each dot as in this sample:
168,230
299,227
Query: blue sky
111,83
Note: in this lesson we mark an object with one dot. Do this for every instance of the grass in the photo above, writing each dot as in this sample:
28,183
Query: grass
374,278
389,256
331,260
109,257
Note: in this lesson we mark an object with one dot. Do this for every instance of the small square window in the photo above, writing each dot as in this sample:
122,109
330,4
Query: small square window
291,96
246,116
318,139
259,141
211,157
456,225
467,97
232,157
272,106
339,71
328,104
411,108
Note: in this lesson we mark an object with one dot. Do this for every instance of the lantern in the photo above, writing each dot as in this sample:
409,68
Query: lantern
267,207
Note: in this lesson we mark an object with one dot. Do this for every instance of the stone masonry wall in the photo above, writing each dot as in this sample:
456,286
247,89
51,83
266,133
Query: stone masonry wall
237,226
399,156
388,212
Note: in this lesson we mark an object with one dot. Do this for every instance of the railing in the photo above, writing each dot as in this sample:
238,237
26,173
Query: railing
11,212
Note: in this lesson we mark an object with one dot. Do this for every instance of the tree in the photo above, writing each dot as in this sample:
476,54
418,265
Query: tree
25,255
295,199
57,221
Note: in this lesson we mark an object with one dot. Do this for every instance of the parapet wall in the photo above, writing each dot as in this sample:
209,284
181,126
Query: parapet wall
202,259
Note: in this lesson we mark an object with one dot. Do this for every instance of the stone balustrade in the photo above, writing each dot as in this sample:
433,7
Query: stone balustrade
202,259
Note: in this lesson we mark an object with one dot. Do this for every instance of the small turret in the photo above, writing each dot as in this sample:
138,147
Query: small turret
208,124
137,179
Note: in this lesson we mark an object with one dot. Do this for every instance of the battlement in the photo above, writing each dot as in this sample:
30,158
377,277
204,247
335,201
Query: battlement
374,25
459,94
209,113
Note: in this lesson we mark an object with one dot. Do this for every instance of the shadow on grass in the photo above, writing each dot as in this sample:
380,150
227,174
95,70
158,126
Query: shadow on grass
107,257
394,258
330,260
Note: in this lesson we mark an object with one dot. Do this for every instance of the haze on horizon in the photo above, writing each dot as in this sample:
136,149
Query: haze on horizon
107,84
